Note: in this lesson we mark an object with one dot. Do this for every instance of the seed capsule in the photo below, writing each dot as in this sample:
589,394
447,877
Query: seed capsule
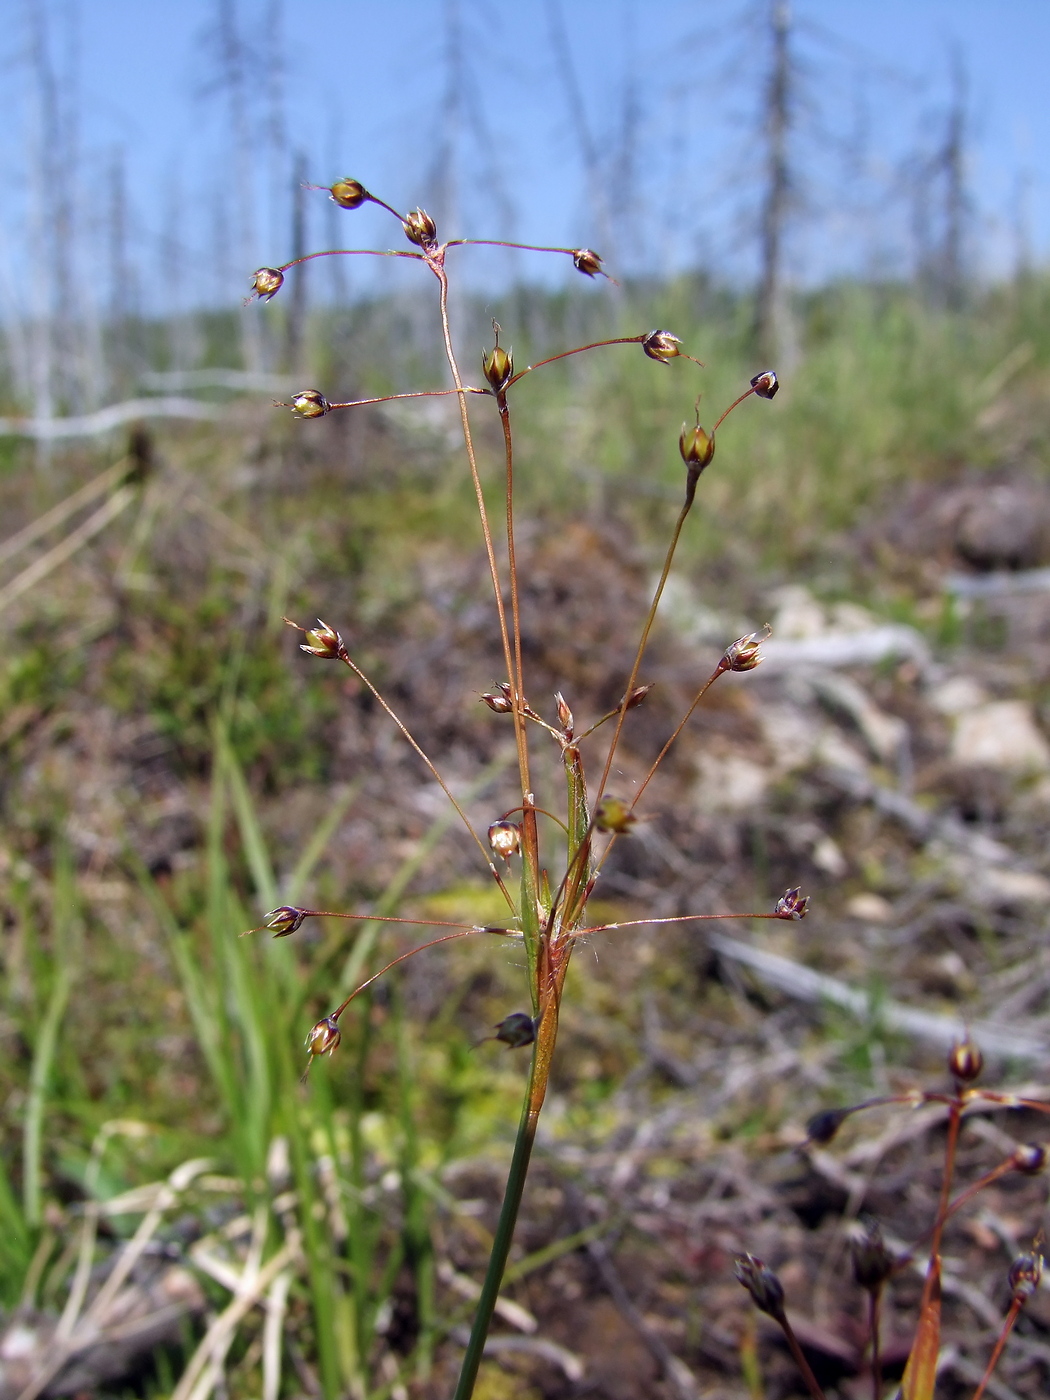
822,1127
614,814
587,262
505,839
661,345
284,920
696,446
965,1060
349,194
766,384
420,228
497,365
499,700
310,403
872,1261
324,1037
267,282
1030,1158
516,1030
323,641
744,654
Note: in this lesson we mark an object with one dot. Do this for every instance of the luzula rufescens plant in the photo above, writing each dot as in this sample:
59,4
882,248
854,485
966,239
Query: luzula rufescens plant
874,1264
548,913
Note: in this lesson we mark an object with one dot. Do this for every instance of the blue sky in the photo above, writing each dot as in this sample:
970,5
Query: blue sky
665,165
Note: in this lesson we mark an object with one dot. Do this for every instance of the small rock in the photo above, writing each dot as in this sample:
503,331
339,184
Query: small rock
959,693
730,783
1002,734
1005,888
870,908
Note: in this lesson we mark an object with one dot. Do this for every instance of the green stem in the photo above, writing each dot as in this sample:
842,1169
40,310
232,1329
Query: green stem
508,1216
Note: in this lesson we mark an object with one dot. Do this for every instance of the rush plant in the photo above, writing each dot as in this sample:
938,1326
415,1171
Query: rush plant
545,862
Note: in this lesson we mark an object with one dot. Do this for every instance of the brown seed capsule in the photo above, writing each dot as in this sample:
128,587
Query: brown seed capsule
822,1127
267,282
420,228
284,920
767,1292
516,1030
1025,1275
793,904
587,262
766,384
965,1060
324,1037
1029,1158
497,365
744,654
661,345
323,641
614,814
872,1261
349,194
310,403
505,838
696,446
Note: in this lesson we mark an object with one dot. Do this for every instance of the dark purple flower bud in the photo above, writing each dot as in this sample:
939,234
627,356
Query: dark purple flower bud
767,1292
1029,1158
823,1126
793,904
872,1261
766,384
1025,1275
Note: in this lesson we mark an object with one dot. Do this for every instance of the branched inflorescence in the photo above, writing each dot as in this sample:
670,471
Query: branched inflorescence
548,915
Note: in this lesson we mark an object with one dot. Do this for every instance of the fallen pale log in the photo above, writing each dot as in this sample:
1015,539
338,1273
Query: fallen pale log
105,419
802,982
65,549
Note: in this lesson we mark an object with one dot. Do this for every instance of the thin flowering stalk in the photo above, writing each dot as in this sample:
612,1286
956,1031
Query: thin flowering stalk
1004,1335
579,350
463,932
512,560
352,253
302,914
390,398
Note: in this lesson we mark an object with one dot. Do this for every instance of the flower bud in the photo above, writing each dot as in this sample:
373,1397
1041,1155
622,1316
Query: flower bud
696,447
637,695
743,654
1025,1275
349,194
323,641
284,920
309,403
587,262
516,1030
965,1060
766,384
565,716
267,282
420,228
767,1292
497,365
792,905
661,345
822,1127
324,1037
499,700
614,814
872,1261
1029,1158
505,839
